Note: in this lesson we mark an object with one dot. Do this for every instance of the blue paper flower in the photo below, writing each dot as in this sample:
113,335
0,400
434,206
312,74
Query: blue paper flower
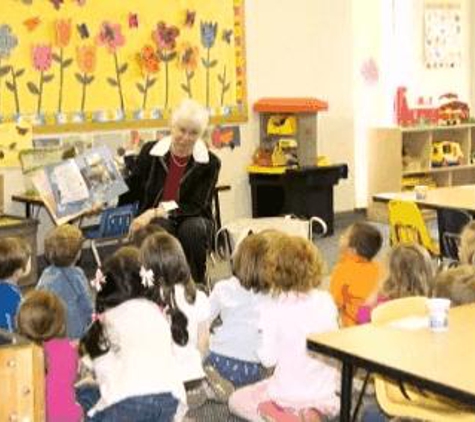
208,33
8,41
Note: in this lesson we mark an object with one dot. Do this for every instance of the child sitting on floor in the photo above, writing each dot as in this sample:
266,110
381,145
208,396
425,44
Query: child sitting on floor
15,263
42,318
411,273
302,387
131,347
63,247
355,276
163,255
233,360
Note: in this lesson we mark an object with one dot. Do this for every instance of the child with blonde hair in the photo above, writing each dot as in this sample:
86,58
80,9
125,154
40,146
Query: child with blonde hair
63,247
173,288
42,319
456,284
302,387
15,263
411,273
467,244
356,276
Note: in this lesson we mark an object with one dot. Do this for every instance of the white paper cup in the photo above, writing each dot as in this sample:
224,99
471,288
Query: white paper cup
438,314
421,191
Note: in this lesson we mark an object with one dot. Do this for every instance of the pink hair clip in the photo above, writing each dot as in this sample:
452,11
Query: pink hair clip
98,280
147,277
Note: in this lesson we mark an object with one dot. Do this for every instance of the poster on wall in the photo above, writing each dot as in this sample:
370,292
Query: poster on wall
442,35
79,62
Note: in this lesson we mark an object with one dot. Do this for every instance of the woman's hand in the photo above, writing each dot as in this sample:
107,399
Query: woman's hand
146,217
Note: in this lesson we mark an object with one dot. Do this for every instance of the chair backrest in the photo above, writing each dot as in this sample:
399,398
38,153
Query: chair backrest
115,222
408,226
450,224
399,308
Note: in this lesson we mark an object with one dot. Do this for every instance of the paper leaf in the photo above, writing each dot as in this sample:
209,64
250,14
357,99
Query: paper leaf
226,87
123,68
48,78
4,70
19,72
140,87
151,82
185,88
56,58
33,88
213,63
112,82
89,79
10,86
79,78
220,79
67,63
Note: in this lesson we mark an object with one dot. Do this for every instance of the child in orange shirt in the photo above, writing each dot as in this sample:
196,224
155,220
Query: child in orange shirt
355,276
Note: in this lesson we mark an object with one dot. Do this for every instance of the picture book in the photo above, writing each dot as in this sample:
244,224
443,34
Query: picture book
73,187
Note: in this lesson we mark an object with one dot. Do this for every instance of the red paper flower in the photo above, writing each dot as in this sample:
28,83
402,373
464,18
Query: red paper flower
110,36
42,57
165,36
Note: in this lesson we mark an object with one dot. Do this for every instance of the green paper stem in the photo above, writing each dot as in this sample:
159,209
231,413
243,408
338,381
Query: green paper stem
119,83
223,85
61,79
144,101
83,96
207,78
40,95
188,83
15,91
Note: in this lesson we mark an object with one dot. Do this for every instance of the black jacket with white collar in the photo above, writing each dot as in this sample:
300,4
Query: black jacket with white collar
197,184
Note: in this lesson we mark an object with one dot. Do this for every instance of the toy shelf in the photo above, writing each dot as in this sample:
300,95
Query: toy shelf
401,157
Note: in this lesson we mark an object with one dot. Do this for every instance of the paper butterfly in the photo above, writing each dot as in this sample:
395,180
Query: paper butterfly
83,31
32,23
226,35
133,20
190,18
57,3
81,2
21,130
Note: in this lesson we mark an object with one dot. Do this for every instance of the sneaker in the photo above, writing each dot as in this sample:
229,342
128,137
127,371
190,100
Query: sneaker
272,412
218,388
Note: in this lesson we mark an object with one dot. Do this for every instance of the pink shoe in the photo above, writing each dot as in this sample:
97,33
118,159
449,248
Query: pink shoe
272,412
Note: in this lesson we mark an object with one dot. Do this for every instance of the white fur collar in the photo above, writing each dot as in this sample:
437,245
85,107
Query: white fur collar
200,150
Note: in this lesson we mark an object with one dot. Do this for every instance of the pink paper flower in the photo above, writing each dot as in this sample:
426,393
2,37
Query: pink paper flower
42,57
110,36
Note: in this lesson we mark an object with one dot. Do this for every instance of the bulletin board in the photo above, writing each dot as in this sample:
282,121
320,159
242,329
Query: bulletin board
79,65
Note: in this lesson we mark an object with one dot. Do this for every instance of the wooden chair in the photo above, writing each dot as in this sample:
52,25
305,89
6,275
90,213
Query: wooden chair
408,226
403,400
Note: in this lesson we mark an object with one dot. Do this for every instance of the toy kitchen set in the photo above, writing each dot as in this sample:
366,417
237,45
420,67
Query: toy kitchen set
287,176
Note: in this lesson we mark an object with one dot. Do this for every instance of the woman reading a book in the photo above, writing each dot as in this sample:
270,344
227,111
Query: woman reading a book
173,180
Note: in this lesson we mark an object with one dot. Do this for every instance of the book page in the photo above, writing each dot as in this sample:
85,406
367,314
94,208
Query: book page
69,182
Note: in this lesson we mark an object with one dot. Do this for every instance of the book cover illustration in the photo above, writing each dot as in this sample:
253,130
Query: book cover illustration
72,187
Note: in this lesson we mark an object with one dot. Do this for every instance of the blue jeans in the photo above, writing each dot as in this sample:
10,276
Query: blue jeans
150,408
87,396
238,372
373,413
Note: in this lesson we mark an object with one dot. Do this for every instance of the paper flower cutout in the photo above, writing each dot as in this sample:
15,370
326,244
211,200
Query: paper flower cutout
188,56
86,59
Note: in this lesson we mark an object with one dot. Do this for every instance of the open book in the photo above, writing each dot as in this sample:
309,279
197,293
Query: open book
73,187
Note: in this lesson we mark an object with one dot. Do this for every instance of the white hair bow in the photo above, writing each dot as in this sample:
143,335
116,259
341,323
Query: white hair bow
147,277
98,280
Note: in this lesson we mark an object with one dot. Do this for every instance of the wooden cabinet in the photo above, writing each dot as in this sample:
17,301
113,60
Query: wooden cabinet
22,372
400,158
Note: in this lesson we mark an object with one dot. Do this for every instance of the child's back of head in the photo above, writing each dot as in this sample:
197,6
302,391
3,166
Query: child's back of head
163,255
467,244
63,245
364,239
119,280
41,316
293,264
248,263
15,257
410,272
456,284
138,236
